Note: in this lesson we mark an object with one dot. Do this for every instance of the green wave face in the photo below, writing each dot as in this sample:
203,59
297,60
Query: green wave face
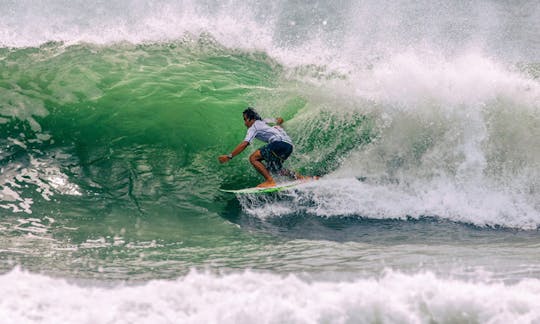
135,121
116,133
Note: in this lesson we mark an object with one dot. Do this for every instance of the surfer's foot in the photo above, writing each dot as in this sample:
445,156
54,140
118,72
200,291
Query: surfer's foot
267,184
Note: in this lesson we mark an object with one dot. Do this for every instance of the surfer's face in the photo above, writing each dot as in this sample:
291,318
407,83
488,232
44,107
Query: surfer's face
248,122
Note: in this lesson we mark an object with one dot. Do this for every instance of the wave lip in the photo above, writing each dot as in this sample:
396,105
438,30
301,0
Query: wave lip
243,297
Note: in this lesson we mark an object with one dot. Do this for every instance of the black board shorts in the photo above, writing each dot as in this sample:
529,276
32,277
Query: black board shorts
275,154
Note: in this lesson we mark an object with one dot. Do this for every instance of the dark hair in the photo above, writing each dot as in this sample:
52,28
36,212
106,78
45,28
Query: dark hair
251,114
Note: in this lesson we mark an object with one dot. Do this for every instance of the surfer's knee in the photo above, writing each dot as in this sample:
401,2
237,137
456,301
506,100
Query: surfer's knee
255,157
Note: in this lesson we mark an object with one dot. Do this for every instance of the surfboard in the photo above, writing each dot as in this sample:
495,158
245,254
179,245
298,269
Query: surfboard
277,188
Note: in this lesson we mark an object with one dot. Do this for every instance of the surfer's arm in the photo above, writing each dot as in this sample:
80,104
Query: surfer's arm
239,148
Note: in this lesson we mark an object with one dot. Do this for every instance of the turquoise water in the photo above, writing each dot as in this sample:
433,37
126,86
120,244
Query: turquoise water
424,126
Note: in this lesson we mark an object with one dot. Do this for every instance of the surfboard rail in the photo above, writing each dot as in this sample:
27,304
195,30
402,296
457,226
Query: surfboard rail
278,187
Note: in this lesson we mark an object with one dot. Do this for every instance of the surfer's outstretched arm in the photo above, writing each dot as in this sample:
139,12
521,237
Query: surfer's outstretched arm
239,148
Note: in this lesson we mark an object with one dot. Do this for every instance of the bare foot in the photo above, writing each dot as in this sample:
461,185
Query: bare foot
267,184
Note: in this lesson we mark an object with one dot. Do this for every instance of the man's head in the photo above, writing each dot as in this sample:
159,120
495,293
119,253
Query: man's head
250,116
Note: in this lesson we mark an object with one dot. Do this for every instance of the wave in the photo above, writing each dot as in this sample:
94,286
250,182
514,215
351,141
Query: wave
100,116
132,106
243,297
434,137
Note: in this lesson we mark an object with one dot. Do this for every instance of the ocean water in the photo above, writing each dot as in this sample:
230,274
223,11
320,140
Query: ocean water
422,117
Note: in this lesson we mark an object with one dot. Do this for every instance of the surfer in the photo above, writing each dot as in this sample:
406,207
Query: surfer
278,148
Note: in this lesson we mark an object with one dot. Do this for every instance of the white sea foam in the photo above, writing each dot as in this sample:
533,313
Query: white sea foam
249,296
454,138
42,174
439,198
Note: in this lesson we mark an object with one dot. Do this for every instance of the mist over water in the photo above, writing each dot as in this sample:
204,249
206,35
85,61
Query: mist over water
422,117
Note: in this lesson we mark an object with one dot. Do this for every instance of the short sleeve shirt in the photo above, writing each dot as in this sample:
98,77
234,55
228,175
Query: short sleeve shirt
268,134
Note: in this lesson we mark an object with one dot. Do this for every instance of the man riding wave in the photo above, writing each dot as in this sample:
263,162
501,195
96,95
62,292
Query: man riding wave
278,148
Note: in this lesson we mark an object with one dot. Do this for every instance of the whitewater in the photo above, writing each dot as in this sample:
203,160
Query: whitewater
423,119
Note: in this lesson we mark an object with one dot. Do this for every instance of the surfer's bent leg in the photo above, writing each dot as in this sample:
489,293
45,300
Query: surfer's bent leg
255,160
275,154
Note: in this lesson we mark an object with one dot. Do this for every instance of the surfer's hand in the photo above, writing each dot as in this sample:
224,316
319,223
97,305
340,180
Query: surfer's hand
223,158
279,120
